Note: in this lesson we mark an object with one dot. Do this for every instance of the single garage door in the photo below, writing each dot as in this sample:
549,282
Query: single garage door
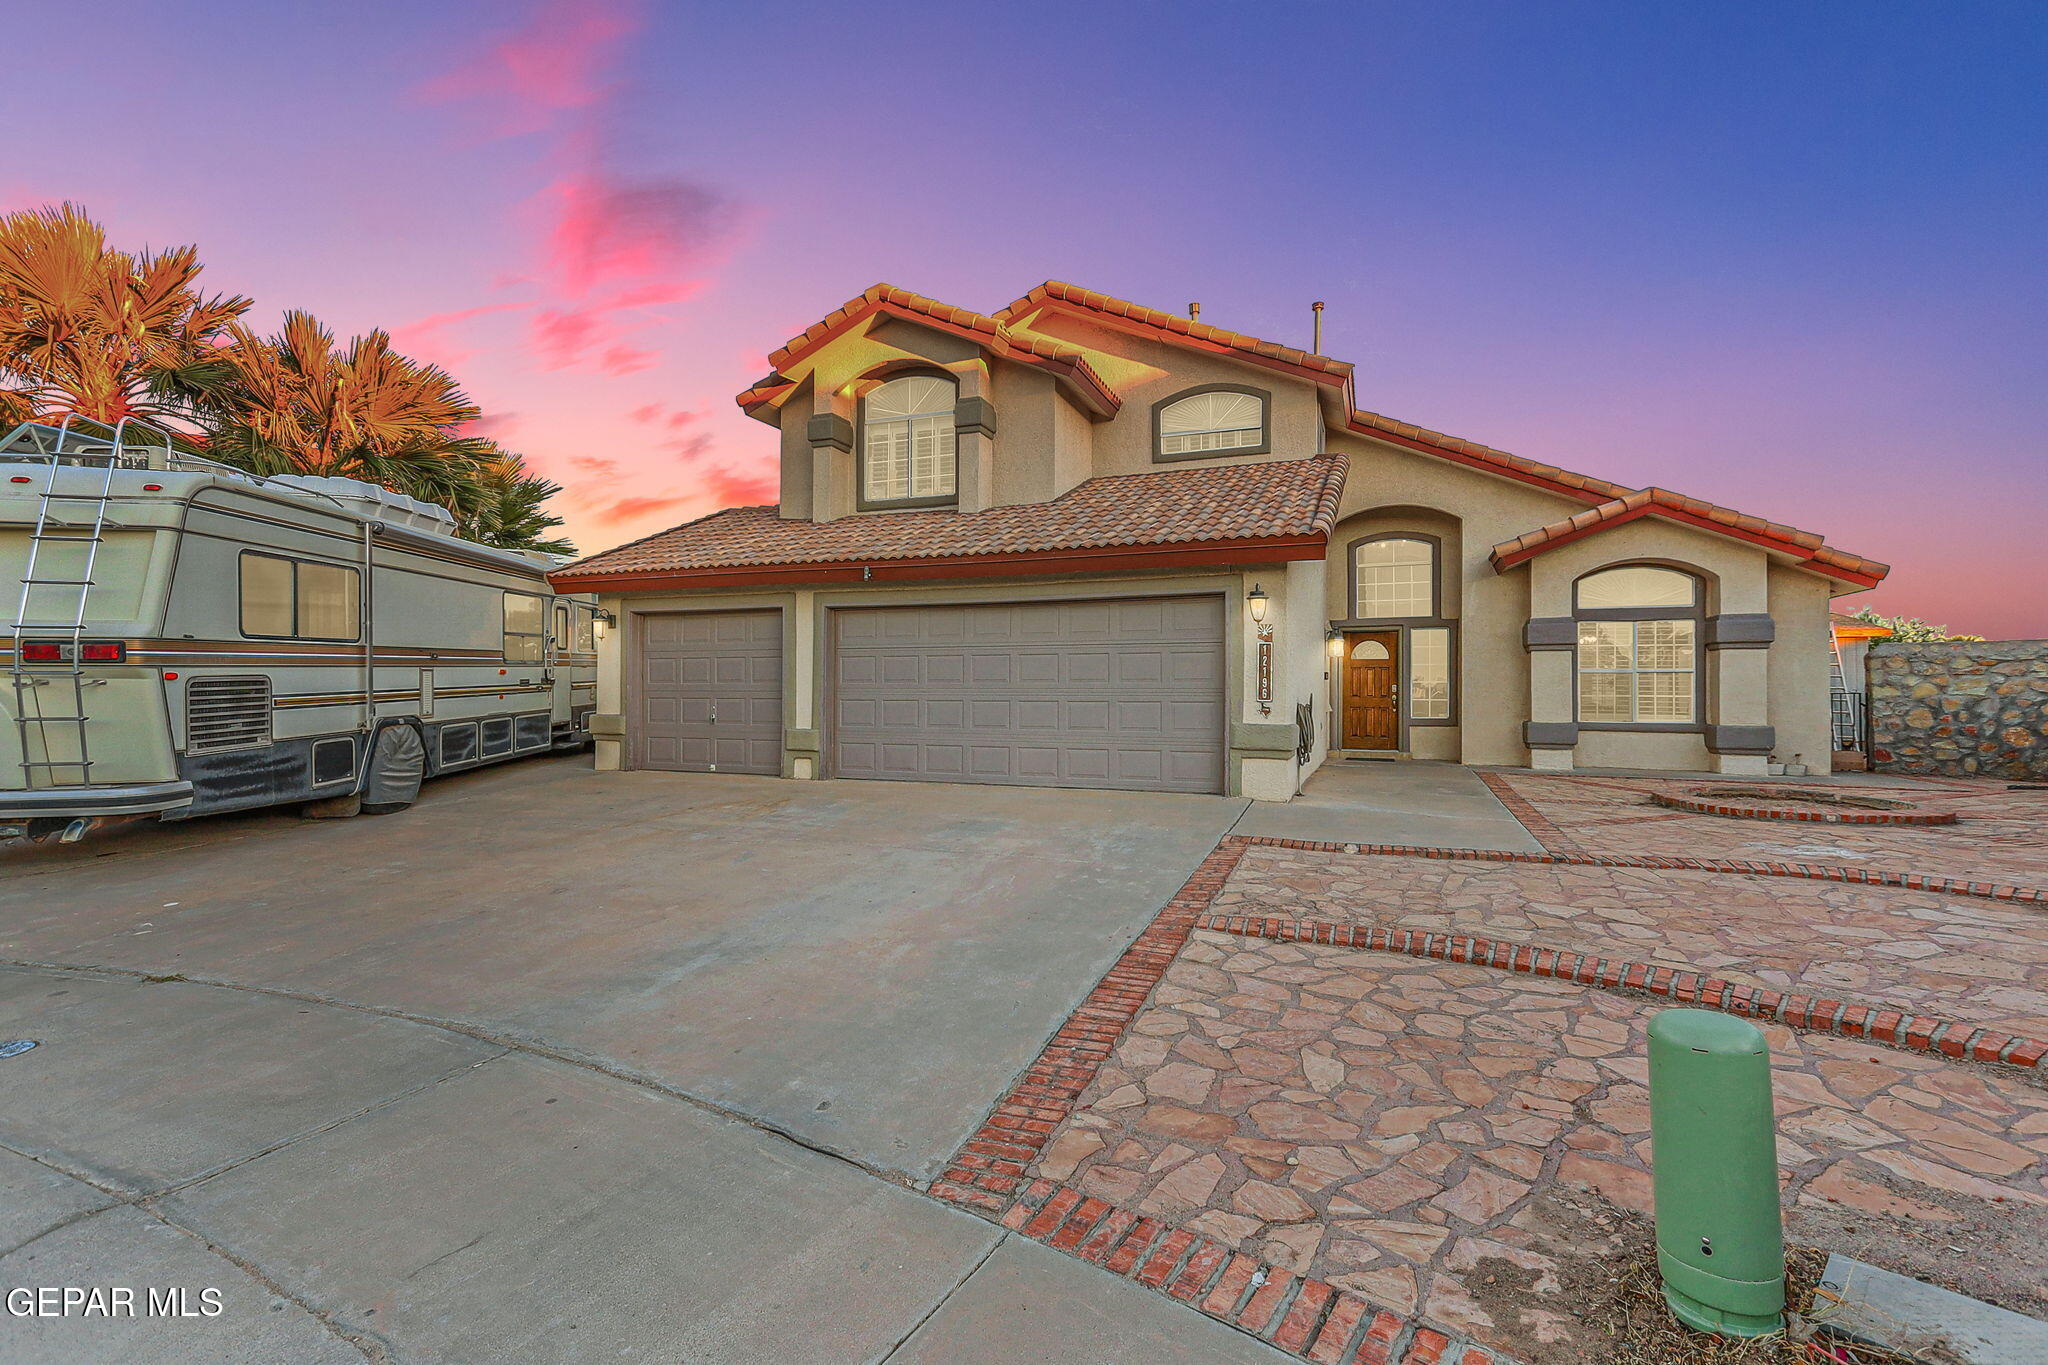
709,692
1124,694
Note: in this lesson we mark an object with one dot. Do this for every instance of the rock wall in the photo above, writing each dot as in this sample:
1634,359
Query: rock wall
1960,708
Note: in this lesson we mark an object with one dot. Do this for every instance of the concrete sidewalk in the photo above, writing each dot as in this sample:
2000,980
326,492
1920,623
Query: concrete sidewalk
418,1194
1370,801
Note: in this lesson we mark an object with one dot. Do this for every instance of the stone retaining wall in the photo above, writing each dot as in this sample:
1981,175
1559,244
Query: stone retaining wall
1960,708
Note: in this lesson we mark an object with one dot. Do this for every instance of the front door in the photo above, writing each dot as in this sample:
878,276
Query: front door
1372,695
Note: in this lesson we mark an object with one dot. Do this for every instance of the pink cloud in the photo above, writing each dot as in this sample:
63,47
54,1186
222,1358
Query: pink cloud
640,505
741,487
557,63
614,252
423,339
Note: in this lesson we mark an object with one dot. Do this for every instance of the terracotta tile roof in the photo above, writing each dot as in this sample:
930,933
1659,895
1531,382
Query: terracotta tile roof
1264,501
1043,352
1058,291
1611,501
1694,512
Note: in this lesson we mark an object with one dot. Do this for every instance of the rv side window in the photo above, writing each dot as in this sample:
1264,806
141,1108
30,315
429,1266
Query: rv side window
266,595
562,619
526,624
329,608
290,599
586,635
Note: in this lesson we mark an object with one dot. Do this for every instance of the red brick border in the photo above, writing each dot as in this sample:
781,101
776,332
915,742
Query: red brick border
1763,810
985,1171
1919,1032
1309,1318
1819,872
1304,1316
1536,822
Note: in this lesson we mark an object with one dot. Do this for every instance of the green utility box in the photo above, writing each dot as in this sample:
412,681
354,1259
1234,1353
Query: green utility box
1714,1155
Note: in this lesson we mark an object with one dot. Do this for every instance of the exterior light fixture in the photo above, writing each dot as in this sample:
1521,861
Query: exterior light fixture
601,623
1336,639
1257,600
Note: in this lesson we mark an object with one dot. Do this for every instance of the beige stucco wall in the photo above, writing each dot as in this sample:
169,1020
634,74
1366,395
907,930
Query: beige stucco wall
1393,489
1144,371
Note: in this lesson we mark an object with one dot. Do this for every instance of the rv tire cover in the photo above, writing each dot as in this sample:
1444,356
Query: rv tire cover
396,765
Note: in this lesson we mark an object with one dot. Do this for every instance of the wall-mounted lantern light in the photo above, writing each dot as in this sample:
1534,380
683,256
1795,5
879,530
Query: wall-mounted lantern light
1336,639
601,622
1257,600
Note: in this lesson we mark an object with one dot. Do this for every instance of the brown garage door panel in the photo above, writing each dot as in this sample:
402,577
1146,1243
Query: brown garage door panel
710,692
1125,694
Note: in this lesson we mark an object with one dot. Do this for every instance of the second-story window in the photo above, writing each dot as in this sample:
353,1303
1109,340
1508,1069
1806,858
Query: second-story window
907,441
1212,421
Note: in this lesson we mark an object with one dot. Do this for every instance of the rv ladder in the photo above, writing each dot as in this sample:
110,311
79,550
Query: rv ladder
67,679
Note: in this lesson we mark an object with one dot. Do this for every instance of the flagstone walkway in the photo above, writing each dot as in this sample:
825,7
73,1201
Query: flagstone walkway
1412,1132
1367,1156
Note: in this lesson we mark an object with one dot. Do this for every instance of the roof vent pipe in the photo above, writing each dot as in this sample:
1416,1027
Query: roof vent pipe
1194,312
1317,347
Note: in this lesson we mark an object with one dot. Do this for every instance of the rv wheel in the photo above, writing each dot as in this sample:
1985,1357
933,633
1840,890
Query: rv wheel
396,766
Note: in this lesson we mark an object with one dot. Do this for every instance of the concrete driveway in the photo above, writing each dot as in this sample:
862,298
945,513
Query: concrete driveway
559,1065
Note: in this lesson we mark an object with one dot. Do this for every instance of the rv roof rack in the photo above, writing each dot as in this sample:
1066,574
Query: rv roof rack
36,440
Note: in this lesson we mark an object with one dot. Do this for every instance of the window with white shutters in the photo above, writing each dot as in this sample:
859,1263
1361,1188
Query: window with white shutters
908,442
1638,647
1217,422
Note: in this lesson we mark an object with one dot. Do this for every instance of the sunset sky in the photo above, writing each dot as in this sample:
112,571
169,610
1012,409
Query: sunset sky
1786,257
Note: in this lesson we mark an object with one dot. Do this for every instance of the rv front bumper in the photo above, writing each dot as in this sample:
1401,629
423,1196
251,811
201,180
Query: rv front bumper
67,803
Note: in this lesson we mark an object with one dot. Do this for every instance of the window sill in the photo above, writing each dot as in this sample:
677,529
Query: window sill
908,504
1263,448
1643,727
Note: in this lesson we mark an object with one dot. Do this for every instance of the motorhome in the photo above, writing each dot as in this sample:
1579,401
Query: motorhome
188,639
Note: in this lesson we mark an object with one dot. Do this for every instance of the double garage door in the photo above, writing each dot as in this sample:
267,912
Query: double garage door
1121,694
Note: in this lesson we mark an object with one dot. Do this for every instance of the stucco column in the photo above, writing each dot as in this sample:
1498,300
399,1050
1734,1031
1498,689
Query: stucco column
974,437
1739,732
831,434
802,722
1262,742
607,724
1551,733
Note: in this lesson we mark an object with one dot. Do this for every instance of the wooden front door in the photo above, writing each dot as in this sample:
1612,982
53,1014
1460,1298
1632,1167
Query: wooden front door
1372,705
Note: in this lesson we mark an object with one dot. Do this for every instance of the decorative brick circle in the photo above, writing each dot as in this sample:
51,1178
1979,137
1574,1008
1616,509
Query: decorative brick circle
1801,803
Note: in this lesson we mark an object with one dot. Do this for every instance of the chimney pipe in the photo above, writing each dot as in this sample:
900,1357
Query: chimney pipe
1317,348
1194,312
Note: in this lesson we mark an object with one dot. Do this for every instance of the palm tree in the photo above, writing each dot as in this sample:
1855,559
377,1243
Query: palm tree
501,505
108,334
99,333
294,403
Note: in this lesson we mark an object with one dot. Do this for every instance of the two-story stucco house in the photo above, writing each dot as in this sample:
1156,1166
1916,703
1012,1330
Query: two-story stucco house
1078,542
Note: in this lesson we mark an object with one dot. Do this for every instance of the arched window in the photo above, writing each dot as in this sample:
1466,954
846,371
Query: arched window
1393,576
907,441
1369,650
1214,421
1638,650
